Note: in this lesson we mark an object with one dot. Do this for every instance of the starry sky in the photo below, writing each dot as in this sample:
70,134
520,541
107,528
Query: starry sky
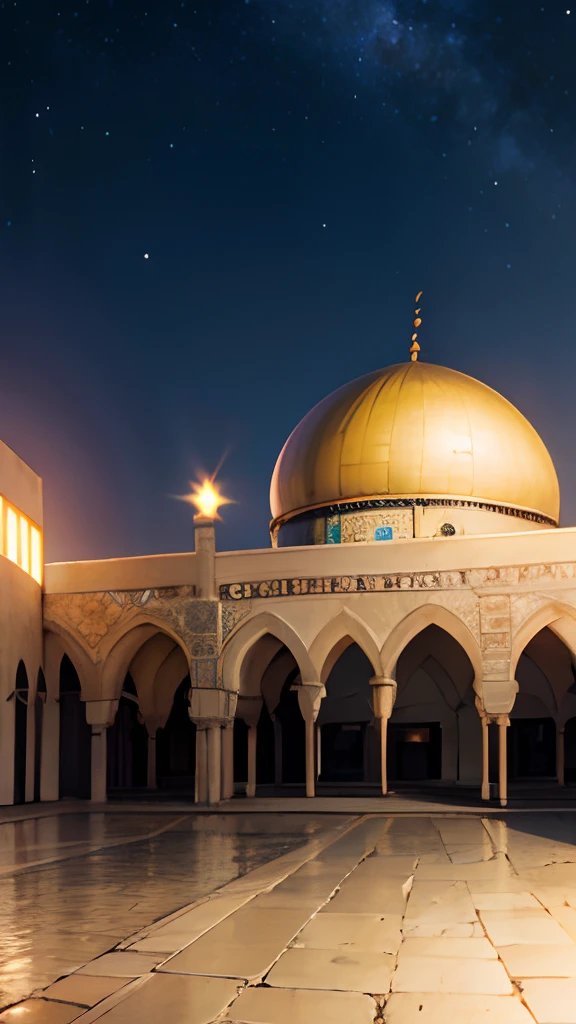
213,213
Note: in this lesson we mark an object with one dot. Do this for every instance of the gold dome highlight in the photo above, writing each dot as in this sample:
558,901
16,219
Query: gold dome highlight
414,430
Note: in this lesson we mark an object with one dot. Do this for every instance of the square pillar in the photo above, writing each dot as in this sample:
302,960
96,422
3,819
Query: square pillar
50,752
98,765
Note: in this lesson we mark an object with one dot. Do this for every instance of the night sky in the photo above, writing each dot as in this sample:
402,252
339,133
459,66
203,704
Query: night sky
213,213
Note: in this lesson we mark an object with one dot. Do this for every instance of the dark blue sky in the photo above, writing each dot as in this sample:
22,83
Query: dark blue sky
295,172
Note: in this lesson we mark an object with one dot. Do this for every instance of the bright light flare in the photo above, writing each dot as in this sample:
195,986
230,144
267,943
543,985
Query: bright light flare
206,497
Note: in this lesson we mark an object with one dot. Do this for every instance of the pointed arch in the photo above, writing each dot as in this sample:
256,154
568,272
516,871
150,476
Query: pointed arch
338,634
429,615
57,643
126,648
560,618
248,633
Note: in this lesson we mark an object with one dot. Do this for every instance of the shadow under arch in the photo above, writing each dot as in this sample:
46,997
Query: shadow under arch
415,622
434,731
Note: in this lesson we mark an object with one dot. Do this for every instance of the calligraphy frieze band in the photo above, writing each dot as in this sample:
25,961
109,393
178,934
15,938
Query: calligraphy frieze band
306,586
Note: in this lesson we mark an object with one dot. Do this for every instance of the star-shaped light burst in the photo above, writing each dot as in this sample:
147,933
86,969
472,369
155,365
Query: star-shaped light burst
206,497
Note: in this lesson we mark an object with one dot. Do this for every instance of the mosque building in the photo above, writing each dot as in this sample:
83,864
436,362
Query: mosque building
413,621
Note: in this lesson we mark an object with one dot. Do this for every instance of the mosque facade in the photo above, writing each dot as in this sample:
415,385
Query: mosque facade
412,623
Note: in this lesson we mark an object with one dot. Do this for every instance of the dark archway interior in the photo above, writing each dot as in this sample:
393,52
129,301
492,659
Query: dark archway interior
75,736
38,714
20,727
127,744
349,743
545,676
176,745
434,732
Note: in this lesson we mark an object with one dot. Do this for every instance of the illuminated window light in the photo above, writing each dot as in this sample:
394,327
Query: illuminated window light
24,544
36,554
12,535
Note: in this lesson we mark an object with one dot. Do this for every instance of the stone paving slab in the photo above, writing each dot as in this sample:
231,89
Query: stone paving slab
336,970
83,989
539,961
121,965
551,1001
450,974
456,1009
289,1006
470,949
41,1011
173,999
352,933
243,946
527,927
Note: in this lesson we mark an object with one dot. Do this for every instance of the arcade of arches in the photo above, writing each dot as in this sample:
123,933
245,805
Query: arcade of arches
287,734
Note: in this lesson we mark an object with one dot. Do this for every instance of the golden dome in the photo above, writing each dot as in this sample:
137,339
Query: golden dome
414,430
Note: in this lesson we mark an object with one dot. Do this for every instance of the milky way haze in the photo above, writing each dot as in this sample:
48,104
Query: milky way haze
212,214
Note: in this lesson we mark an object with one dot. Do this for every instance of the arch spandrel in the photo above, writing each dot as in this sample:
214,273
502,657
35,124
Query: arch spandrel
247,635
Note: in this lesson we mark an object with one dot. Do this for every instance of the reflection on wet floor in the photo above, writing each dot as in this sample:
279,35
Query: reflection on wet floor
336,918
56,917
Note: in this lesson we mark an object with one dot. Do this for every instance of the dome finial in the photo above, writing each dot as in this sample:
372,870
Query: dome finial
415,347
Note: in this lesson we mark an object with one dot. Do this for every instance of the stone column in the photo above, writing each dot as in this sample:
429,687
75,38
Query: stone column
318,751
214,751
485,722
30,745
100,714
249,709
277,750
228,760
384,697
560,754
50,751
151,780
485,792
310,697
252,751
201,772
210,709
503,723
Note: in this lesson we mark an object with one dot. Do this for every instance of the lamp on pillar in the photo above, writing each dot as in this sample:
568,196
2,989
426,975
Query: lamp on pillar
384,697
206,497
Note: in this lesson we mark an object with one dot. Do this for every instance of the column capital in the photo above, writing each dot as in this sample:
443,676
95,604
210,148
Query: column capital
310,697
100,714
383,681
211,702
503,720
384,695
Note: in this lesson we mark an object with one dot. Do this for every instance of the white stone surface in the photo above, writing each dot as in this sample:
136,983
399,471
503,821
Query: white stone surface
455,1009
336,970
450,974
552,1001
287,1006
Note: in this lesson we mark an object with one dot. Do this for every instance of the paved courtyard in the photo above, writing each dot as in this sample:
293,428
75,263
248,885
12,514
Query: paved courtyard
269,918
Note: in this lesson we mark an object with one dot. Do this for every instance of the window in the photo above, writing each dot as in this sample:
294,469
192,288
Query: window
20,540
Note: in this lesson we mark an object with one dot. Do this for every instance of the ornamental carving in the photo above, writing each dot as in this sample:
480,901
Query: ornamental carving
92,616
363,525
